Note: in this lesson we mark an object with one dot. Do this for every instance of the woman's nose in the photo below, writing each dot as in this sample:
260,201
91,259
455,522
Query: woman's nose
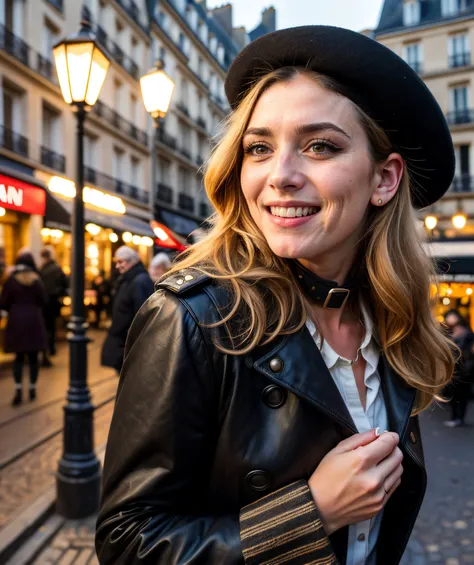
285,174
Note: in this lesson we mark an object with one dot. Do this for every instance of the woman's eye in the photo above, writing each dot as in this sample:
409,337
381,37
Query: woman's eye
257,149
320,147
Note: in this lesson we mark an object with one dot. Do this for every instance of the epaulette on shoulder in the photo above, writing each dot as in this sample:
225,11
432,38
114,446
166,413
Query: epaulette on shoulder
183,280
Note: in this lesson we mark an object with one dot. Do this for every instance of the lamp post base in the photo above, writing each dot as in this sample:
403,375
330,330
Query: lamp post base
78,497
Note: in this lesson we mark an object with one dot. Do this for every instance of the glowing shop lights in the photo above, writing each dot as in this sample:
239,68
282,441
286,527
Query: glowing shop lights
113,237
127,237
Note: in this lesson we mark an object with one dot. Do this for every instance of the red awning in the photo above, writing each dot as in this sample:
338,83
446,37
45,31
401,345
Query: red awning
21,196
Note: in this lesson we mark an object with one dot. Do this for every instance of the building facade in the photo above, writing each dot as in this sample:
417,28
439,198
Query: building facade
37,129
436,38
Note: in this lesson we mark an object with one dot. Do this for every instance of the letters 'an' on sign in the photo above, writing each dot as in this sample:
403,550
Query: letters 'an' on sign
21,196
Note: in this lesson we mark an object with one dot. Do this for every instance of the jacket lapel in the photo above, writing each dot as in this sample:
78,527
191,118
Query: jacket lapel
302,371
399,398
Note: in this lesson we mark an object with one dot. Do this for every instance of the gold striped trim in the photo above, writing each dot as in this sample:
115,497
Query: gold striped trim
278,520
247,514
294,553
279,540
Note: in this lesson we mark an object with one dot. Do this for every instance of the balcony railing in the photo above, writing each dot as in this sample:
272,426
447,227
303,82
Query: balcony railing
46,68
132,10
58,4
464,116
201,122
117,52
459,60
13,141
52,159
203,210
120,123
167,139
183,108
165,193
111,184
14,46
186,202
186,152
463,183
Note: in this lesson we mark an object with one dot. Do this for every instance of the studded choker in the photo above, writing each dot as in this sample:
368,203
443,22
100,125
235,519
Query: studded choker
325,293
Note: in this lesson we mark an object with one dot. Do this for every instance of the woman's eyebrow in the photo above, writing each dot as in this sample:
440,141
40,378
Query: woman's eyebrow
299,130
320,126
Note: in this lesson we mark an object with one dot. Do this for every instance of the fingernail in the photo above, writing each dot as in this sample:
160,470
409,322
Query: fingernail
377,432
385,431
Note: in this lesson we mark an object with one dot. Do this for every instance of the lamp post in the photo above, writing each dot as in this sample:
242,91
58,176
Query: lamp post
157,89
81,66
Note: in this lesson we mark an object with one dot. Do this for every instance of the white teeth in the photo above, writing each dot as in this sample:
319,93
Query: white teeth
292,212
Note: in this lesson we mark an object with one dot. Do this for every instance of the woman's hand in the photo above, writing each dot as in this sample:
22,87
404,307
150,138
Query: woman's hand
355,479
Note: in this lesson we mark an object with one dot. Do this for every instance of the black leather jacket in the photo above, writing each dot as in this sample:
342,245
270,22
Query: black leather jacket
209,454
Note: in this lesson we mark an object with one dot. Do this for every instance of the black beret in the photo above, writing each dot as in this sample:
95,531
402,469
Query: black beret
384,85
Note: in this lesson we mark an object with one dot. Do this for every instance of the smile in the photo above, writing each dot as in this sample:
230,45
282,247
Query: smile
282,212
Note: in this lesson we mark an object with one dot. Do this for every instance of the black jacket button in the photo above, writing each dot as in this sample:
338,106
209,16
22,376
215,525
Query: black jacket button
274,396
276,365
258,480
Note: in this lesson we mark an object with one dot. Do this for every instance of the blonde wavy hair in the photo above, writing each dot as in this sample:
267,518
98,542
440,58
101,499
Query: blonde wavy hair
267,301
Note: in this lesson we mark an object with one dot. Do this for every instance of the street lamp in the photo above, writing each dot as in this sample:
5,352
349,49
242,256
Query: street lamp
157,89
81,66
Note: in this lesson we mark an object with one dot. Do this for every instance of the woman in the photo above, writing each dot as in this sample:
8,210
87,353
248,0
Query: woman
23,297
459,390
258,379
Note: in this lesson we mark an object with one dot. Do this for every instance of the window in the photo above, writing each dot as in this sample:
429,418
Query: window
200,68
117,163
413,55
411,12
162,19
452,7
135,172
12,108
184,91
133,109
461,181
117,94
183,180
134,51
459,98
162,55
49,36
458,50
181,42
50,127
165,171
90,151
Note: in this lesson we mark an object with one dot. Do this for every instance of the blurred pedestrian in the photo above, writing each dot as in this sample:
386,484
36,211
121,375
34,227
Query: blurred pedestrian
158,266
102,289
55,284
134,287
23,297
259,376
459,390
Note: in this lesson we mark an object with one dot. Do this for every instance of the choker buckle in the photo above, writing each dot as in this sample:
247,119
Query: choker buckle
336,298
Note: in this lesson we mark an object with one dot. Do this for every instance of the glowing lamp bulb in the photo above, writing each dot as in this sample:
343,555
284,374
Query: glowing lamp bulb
469,291
459,221
113,237
127,237
431,222
136,240
2,212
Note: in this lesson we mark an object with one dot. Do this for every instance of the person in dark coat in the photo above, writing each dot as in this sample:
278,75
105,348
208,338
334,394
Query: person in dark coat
459,389
267,405
134,287
102,289
55,284
23,297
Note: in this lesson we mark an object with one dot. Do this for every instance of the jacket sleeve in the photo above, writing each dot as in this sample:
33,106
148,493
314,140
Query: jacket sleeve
161,445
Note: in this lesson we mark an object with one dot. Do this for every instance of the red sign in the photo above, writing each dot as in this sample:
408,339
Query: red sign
21,196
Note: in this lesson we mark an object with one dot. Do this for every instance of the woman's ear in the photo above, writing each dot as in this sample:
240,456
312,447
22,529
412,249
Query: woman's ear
389,174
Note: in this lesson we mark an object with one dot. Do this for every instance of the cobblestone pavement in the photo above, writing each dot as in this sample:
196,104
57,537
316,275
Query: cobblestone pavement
444,531
24,479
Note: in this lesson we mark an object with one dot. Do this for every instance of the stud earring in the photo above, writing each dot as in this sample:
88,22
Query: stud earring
380,202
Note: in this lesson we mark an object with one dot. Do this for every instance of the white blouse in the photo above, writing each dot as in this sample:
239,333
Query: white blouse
363,535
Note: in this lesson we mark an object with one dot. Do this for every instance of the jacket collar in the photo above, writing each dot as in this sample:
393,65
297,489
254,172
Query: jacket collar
133,272
304,373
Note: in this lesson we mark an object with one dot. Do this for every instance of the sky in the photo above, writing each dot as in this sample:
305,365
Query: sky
352,14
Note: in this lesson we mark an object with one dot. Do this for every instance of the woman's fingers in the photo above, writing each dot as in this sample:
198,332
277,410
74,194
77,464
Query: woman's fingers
375,452
357,440
390,463
393,478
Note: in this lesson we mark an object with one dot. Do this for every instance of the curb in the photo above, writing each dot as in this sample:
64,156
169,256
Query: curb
14,535
24,537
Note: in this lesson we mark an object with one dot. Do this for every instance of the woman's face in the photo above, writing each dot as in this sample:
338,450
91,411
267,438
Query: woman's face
307,173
